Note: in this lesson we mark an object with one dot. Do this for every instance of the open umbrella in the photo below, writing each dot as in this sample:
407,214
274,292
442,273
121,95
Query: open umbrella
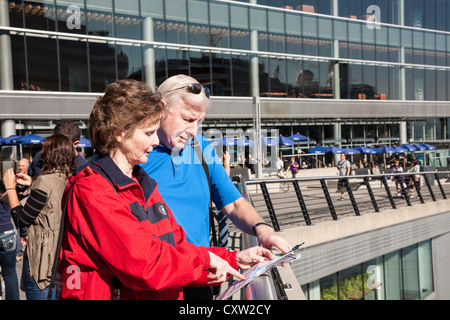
245,142
84,143
386,149
419,147
427,146
318,149
335,150
366,150
225,141
269,142
399,149
12,140
350,151
298,137
30,139
409,147
284,141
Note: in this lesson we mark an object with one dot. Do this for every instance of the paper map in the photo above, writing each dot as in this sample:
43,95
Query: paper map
259,269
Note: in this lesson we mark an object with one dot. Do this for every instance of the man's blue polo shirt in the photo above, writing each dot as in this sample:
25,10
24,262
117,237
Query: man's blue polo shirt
183,186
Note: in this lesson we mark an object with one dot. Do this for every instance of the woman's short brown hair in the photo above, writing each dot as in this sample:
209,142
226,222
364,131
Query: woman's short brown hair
126,105
58,155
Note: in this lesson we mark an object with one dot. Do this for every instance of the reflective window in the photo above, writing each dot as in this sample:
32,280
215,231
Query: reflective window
199,64
221,74
127,21
240,65
198,27
71,16
19,65
16,13
177,61
100,18
129,60
43,74
276,31
102,64
73,66
176,29
39,15
240,35
220,21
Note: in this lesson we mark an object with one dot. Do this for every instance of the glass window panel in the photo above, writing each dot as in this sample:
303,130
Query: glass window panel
356,81
220,21
354,35
441,53
410,271
19,64
448,85
354,8
324,6
160,65
430,84
198,23
441,85
373,271
240,36
289,4
44,19
369,83
100,18
42,63
326,37
393,44
441,17
394,84
127,20
200,65
382,45
102,64
177,61
221,74
276,32
429,14
419,84
16,13
153,10
73,66
258,23
368,45
293,67
351,284
277,77
328,288
417,13
383,84
418,130
129,61
392,276
264,75
429,129
176,14
307,79
71,16
325,79
241,75
418,47
310,35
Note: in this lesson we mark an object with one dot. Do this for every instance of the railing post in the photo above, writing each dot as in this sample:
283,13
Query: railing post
405,192
388,191
440,185
328,198
302,203
372,196
427,182
270,207
351,196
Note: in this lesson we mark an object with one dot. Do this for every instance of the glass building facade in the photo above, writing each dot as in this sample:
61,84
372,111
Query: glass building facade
378,50
405,274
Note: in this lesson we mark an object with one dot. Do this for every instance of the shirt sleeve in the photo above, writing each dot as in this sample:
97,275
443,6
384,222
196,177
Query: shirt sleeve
24,216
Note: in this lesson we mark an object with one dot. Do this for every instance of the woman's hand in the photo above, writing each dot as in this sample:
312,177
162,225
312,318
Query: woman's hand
9,178
249,257
23,179
218,269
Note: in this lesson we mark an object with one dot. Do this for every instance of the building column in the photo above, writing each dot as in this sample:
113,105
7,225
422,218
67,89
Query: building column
8,127
149,53
6,63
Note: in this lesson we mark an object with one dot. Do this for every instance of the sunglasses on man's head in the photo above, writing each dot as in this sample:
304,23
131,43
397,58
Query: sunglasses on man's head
195,88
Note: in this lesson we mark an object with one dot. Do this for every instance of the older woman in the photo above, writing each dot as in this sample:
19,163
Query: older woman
120,235
41,213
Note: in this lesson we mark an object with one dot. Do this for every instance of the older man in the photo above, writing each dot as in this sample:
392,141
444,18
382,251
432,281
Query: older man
177,169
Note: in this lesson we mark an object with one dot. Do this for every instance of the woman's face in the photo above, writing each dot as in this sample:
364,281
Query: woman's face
137,147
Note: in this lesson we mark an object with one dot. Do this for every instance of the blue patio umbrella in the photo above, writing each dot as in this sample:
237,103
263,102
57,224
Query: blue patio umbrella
427,146
225,141
84,143
419,147
335,150
30,139
350,151
409,147
284,141
399,149
12,140
245,142
386,149
269,142
1,140
318,149
366,150
298,137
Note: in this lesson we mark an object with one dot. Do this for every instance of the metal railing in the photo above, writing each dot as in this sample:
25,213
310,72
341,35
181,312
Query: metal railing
270,287
350,186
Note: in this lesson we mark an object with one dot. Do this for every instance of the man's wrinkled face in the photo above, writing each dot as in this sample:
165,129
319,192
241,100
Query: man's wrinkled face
180,125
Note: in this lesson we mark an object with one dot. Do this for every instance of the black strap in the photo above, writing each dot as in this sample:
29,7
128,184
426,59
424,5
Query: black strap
200,156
